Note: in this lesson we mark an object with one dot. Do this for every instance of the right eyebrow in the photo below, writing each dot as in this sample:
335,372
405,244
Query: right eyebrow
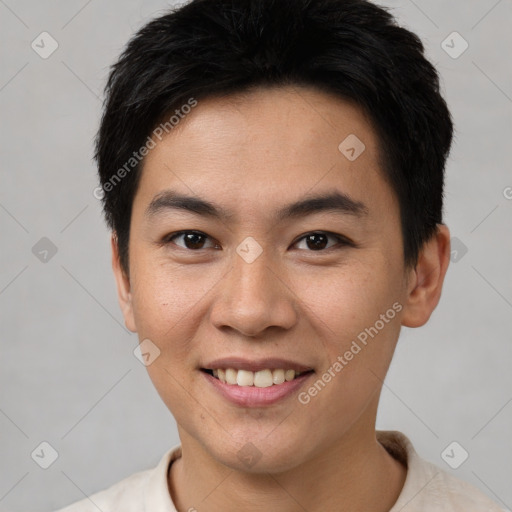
171,200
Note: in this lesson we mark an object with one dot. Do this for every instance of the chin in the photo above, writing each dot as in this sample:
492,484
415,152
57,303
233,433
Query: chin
259,455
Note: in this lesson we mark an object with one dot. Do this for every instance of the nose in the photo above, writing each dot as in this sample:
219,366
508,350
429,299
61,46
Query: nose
253,297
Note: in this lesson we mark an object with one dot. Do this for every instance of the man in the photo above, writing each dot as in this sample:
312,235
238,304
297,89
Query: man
272,172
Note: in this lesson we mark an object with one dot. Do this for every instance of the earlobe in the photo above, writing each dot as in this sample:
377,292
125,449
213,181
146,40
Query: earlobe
123,286
426,279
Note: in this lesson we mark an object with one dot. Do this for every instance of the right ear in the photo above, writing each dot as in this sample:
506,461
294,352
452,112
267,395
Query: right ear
123,286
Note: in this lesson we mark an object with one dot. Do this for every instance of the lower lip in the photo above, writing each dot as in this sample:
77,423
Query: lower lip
252,396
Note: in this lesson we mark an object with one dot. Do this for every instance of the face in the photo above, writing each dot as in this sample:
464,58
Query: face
257,245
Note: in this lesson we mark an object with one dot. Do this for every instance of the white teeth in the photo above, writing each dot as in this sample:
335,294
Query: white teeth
263,379
245,378
289,375
259,379
278,376
231,376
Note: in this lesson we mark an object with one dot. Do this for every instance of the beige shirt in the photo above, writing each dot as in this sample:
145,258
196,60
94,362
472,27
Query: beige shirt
426,488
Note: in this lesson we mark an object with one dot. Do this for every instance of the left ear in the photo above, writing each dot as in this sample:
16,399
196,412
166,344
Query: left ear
426,279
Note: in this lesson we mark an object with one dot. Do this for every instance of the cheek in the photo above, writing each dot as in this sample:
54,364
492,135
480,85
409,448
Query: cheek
162,304
351,297
360,323
359,312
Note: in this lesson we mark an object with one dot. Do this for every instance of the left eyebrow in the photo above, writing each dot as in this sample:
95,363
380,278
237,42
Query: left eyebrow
328,202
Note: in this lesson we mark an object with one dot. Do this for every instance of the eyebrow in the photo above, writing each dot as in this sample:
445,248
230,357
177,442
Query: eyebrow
327,202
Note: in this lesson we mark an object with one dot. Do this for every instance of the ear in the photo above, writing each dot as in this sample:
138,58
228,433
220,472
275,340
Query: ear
426,279
123,286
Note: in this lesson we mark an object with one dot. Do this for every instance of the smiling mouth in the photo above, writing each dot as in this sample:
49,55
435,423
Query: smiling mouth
260,379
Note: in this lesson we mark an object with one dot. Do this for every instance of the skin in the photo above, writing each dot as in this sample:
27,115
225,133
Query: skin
252,154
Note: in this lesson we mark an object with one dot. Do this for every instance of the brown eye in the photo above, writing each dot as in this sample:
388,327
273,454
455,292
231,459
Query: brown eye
319,241
192,240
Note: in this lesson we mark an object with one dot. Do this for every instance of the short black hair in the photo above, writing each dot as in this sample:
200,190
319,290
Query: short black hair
352,48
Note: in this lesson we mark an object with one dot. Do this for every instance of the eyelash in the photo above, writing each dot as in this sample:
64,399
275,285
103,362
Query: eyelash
342,241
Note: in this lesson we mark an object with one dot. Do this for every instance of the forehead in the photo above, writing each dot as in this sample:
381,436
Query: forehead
254,150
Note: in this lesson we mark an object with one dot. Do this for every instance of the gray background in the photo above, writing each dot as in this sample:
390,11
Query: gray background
68,375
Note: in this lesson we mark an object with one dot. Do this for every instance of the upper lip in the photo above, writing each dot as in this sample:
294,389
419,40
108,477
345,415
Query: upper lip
254,365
